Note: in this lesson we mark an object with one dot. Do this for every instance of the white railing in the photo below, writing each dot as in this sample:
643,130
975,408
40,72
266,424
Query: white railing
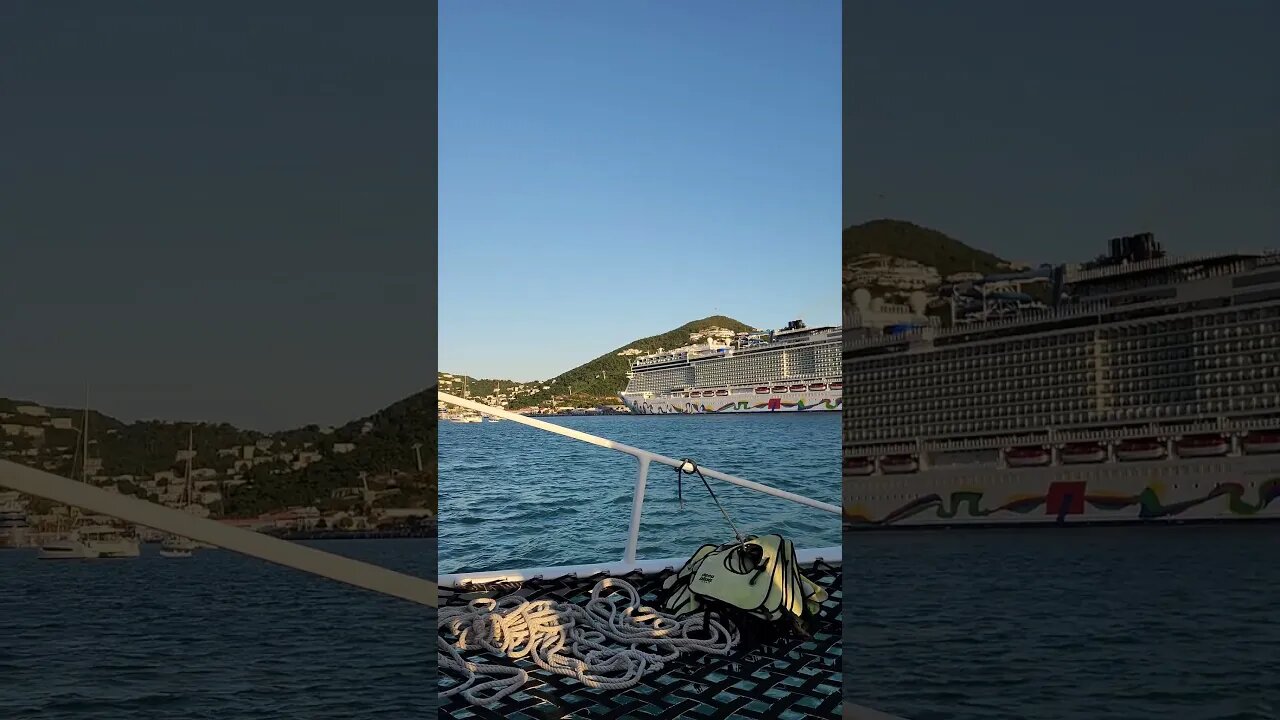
140,512
645,458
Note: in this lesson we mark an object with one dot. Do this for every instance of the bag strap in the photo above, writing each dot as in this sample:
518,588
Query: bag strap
690,467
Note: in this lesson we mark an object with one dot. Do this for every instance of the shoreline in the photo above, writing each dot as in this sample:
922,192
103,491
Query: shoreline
414,534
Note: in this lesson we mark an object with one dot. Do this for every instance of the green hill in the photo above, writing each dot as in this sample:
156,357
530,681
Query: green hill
383,448
481,387
909,241
599,381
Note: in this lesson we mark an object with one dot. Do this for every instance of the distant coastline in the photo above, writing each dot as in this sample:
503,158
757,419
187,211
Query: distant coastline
425,531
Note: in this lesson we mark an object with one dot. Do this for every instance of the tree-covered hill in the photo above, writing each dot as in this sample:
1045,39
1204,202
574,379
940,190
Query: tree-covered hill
383,448
909,241
599,381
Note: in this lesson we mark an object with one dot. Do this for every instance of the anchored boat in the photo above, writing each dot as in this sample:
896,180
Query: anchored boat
91,542
795,369
1146,390
88,538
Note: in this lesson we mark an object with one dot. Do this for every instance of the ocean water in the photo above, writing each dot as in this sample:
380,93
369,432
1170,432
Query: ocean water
513,496
219,636
1064,624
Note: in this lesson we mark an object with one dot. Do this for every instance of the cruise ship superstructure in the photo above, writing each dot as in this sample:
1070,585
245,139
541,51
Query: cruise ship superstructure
793,369
1138,387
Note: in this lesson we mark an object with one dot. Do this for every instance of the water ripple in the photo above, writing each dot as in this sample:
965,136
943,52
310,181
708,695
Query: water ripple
512,496
217,637
1124,623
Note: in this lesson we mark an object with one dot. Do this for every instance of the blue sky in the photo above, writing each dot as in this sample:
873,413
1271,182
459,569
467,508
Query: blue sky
217,212
613,170
1039,130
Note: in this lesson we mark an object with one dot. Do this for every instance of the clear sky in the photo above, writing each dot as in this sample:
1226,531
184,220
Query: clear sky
1039,130
611,170
215,211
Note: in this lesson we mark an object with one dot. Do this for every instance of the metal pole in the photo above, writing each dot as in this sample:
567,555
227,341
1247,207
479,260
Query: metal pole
637,505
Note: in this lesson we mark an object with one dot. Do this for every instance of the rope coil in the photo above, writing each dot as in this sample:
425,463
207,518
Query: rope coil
570,640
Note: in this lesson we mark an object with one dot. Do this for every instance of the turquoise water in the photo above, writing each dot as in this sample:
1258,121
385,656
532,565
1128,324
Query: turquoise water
512,496
219,636
1064,624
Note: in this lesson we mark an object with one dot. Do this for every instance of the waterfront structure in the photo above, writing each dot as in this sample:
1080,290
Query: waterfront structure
1148,389
793,369
13,520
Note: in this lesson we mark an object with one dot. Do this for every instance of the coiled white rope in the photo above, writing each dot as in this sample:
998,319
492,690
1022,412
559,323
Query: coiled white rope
569,640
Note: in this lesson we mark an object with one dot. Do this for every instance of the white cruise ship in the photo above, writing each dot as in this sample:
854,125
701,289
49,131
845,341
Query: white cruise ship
793,369
1141,387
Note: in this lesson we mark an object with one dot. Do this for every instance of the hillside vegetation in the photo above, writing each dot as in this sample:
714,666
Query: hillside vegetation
909,241
383,448
599,381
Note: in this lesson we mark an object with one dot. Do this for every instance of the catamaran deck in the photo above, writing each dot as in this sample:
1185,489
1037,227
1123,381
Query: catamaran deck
765,677
789,677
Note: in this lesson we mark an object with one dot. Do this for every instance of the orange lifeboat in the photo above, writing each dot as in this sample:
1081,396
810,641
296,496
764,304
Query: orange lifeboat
1267,441
899,464
858,466
1144,449
1203,446
1027,457
1075,453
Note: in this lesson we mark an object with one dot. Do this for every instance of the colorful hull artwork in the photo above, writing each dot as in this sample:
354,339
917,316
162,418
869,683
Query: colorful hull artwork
1175,491
735,403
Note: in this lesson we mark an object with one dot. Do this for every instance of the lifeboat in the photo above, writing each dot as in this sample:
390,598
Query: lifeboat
1146,449
762,391
817,387
836,385
1203,446
722,393
1262,442
899,464
798,388
779,388
858,466
1027,457
1083,453
696,393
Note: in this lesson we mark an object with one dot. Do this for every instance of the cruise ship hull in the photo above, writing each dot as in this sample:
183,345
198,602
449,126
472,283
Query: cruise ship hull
740,402
1236,488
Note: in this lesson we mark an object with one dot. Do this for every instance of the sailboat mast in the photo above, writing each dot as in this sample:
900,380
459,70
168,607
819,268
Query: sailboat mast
190,452
84,439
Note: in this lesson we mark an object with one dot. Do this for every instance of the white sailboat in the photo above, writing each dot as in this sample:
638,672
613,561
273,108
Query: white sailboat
177,546
467,416
89,540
